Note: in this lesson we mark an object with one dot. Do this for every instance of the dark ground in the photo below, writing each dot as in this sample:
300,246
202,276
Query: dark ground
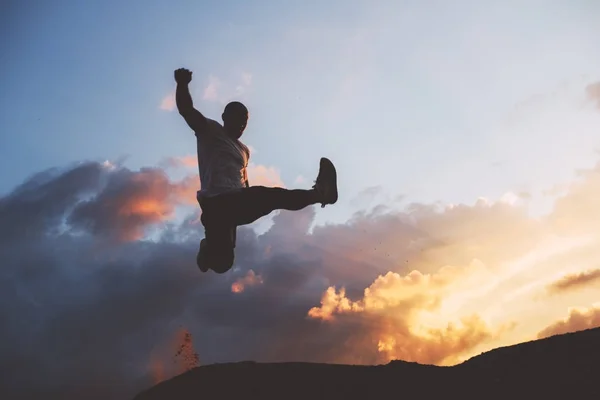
560,367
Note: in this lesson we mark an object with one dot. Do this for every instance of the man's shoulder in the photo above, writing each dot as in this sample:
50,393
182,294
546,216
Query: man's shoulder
212,127
212,122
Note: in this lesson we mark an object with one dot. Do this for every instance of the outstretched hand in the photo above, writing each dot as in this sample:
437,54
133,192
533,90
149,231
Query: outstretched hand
183,75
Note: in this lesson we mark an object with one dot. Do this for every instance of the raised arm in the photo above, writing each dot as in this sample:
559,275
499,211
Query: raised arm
185,105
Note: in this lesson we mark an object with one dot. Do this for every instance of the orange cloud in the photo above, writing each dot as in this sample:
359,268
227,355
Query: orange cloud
407,319
442,346
157,204
132,201
188,161
260,175
250,279
186,189
168,102
299,180
578,319
593,92
576,212
572,281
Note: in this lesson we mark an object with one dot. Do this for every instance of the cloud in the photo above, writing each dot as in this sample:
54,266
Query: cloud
366,196
246,78
226,90
394,304
556,190
246,82
578,319
431,283
299,180
593,92
168,102
211,90
574,281
261,175
130,202
189,161
576,212
250,279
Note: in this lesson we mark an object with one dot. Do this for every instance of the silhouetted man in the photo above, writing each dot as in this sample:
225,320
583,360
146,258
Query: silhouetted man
226,198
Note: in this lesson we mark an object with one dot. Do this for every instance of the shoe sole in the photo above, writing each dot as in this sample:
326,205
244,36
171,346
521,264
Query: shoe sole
327,165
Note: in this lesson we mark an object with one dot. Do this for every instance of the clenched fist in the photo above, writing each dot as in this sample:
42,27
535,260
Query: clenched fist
183,75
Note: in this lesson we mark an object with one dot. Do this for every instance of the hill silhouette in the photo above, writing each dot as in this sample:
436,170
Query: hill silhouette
559,367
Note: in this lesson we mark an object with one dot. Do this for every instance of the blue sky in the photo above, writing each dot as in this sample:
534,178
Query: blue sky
429,100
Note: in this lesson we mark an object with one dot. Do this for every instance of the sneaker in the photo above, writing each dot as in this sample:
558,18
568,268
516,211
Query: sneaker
220,262
326,183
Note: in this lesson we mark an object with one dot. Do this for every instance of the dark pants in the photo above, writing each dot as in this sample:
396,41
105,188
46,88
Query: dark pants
223,213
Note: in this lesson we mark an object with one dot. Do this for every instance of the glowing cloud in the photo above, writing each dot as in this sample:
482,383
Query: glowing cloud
188,161
250,279
261,175
168,102
131,201
593,92
413,317
579,318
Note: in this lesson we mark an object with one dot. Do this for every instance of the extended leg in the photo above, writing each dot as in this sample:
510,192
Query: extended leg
258,201
245,206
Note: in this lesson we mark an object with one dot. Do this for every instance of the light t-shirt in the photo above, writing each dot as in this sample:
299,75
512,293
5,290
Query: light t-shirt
222,161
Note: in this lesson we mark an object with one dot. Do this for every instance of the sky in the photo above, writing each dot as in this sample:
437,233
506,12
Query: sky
465,136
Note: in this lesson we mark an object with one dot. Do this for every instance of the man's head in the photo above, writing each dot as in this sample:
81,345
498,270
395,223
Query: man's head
235,118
